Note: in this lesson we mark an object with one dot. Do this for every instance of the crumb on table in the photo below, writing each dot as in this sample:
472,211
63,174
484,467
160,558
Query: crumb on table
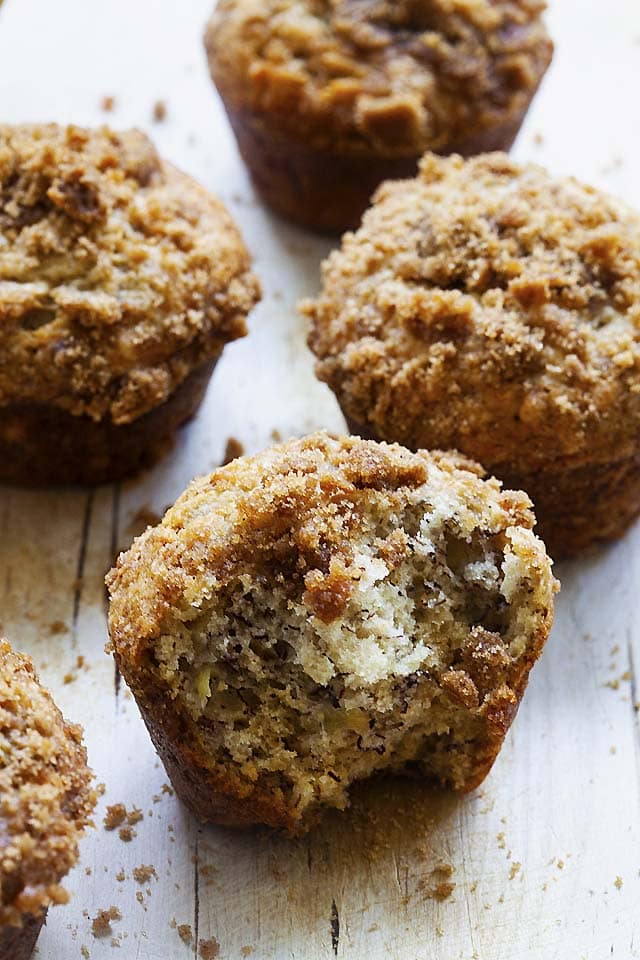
101,924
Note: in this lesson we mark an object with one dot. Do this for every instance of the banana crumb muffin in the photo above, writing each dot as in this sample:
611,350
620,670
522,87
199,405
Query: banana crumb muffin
46,799
488,307
324,611
121,279
327,98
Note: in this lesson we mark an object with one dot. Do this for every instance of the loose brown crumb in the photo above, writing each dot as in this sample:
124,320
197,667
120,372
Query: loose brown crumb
58,626
101,925
515,870
143,873
438,886
247,951
108,104
185,933
233,450
159,111
121,876
209,949
85,953
127,834
618,883
115,815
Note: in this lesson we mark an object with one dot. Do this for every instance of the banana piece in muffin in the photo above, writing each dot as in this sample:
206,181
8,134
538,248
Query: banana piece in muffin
325,611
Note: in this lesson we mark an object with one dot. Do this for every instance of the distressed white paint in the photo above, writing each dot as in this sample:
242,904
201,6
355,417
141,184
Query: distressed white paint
565,789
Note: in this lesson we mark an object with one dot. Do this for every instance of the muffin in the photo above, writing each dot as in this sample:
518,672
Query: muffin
325,611
46,799
327,98
121,280
488,307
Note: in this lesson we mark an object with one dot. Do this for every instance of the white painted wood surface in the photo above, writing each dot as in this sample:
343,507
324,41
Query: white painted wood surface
546,856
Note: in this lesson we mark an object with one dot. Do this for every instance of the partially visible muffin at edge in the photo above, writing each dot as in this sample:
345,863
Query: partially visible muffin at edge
121,280
327,98
324,611
46,800
489,307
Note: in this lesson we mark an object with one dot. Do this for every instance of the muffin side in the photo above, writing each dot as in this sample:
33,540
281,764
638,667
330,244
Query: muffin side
325,611
119,278
46,800
327,100
489,307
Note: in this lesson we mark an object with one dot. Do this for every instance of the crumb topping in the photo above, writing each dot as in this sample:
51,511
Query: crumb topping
398,76
46,797
489,307
118,273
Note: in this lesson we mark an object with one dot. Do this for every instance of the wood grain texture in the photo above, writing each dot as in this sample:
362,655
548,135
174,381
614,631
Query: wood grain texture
545,857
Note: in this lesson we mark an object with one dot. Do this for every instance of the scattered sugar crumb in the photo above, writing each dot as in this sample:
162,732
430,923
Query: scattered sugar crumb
209,949
159,111
144,873
232,451
115,815
185,933
127,834
438,886
108,103
101,924
121,876
618,883
501,841
515,870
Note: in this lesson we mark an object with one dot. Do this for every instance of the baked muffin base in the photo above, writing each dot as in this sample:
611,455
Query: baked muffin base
41,445
326,190
209,798
219,800
575,508
580,507
17,943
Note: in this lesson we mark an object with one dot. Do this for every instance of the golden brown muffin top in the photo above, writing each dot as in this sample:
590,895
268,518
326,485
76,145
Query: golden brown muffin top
394,76
488,307
46,797
118,273
292,515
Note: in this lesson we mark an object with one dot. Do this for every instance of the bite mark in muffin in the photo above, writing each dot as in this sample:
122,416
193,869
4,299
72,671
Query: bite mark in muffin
324,611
